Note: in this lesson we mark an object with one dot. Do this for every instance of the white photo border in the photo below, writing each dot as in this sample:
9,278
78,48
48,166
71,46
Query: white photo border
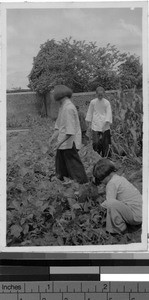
134,247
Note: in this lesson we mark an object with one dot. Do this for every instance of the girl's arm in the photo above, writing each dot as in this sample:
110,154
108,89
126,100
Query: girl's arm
89,115
108,120
53,137
111,193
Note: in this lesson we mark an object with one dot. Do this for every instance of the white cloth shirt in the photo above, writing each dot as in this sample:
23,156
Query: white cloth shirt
68,123
99,112
121,189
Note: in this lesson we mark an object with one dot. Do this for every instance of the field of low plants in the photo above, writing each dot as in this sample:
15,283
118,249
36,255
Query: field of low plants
41,211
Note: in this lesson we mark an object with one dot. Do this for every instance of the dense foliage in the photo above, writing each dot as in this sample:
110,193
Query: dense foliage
127,124
43,212
130,73
82,66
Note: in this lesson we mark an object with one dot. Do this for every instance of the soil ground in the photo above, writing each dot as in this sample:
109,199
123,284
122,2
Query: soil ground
43,212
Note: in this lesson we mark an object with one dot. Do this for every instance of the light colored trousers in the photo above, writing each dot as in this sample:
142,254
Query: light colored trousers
118,216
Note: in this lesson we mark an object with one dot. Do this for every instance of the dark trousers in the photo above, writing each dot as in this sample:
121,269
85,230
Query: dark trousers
101,142
68,164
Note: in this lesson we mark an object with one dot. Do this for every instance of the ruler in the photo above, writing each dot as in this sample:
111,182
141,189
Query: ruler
75,290
47,280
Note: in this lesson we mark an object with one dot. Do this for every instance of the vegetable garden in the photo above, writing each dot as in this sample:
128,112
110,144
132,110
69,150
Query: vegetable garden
41,211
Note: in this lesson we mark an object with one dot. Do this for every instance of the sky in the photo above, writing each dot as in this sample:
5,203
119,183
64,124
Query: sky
27,29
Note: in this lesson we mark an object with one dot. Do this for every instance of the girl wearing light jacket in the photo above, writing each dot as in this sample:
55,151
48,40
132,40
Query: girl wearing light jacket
123,201
99,118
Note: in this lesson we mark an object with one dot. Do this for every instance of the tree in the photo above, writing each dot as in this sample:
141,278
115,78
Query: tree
82,66
45,72
130,72
105,67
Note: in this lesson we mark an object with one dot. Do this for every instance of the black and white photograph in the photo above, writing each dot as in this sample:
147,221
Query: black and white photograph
75,138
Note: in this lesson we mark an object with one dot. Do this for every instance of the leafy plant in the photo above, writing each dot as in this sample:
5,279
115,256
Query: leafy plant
41,211
127,125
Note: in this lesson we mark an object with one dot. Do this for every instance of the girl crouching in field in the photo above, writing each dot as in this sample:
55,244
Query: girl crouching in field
123,201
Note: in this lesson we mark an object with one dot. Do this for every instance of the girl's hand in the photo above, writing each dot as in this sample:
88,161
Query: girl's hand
105,126
50,151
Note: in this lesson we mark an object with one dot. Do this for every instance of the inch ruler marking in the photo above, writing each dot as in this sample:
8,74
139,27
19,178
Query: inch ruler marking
67,290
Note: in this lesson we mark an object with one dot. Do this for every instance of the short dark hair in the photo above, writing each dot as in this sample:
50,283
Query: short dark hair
100,88
103,168
61,91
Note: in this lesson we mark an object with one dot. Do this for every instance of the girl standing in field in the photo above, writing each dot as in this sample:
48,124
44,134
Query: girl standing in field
123,201
99,117
68,134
